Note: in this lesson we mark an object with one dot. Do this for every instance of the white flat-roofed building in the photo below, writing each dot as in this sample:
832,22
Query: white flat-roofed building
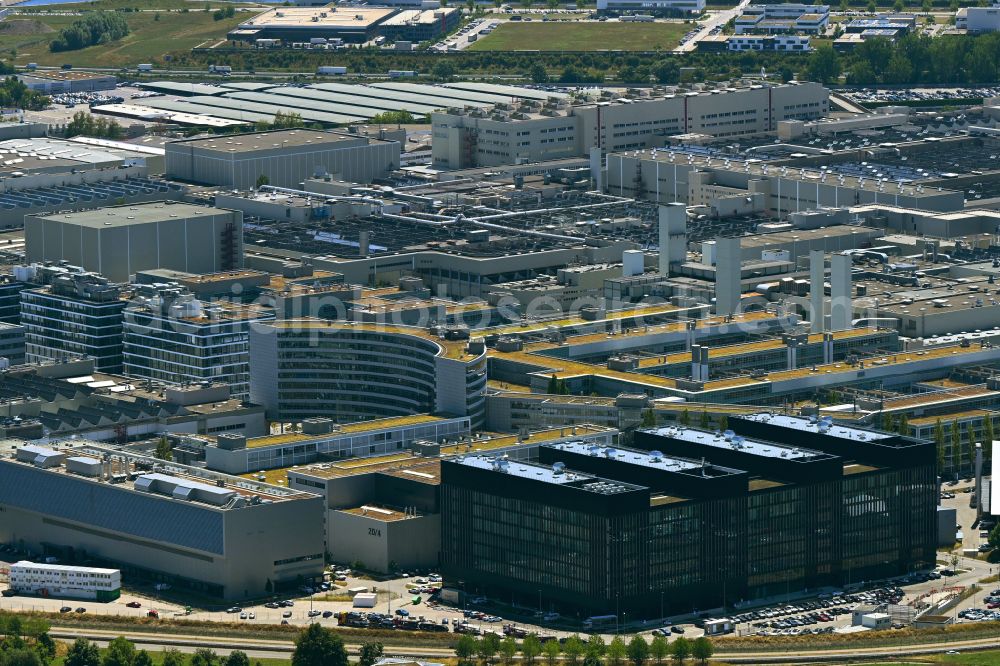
61,581
662,7
787,17
351,24
536,131
978,19
792,43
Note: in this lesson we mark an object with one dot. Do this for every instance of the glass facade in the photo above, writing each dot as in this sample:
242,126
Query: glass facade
60,326
888,523
535,542
792,538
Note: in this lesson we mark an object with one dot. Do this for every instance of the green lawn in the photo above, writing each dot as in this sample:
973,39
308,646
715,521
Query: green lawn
981,658
150,38
551,36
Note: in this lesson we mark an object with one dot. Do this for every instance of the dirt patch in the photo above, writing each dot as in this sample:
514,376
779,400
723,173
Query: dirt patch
24,27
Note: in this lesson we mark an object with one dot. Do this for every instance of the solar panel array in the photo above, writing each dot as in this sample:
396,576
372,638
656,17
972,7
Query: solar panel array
62,195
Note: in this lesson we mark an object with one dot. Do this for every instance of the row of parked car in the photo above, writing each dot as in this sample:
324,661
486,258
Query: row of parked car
868,95
815,617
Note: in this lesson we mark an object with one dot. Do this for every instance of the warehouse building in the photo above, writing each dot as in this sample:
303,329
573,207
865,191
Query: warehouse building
300,24
535,131
691,518
222,536
119,241
329,104
307,367
421,25
282,158
53,82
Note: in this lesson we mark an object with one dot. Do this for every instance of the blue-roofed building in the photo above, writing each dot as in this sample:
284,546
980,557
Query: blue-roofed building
223,536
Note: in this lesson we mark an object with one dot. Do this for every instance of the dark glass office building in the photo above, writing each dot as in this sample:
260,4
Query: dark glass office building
688,519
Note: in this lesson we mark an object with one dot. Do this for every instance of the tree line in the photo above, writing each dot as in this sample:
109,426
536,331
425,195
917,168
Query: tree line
15,94
490,648
281,120
82,123
947,59
25,642
94,28
916,58
314,646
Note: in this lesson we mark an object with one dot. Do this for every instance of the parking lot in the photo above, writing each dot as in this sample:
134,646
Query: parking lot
890,95
64,106
467,35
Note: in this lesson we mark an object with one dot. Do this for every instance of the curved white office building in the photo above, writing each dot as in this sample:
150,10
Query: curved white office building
352,371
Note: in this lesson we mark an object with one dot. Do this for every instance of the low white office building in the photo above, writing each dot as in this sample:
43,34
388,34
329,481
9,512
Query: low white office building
61,581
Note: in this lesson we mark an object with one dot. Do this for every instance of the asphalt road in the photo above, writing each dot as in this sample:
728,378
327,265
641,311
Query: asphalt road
257,648
715,19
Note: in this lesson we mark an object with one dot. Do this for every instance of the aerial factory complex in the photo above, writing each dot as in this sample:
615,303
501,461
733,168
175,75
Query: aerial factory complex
691,359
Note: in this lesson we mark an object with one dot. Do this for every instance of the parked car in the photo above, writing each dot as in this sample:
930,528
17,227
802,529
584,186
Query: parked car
134,604
65,609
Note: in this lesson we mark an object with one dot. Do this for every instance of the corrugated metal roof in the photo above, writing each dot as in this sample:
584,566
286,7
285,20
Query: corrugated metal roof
179,88
382,93
304,106
512,91
202,110
269,109
346,98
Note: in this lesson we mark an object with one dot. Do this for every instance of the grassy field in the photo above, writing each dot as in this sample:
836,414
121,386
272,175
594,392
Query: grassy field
982,658
552,36
150,38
